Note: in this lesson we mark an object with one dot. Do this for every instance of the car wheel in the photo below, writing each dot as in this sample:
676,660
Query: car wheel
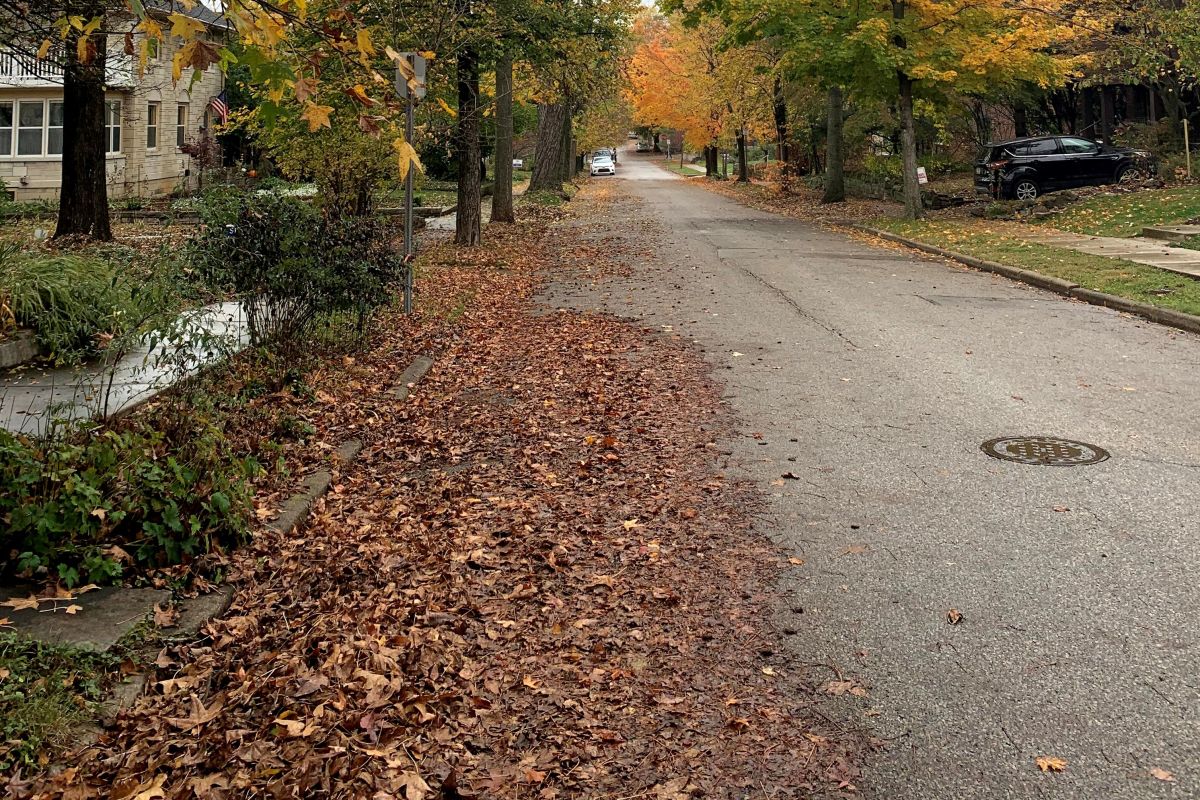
1025,189
1129,173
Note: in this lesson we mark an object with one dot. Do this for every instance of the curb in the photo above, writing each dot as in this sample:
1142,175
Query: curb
295,509
20,348
1162,316
411,376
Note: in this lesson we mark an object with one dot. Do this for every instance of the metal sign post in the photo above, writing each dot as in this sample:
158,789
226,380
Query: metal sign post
417,63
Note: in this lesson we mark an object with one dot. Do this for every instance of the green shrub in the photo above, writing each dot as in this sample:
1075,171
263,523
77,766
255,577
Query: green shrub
161,493
291,264
72,302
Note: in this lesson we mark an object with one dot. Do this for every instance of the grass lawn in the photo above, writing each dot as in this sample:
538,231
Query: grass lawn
999,242
46,694
1127,214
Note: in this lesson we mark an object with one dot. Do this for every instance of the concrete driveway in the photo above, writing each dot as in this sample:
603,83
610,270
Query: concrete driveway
871,378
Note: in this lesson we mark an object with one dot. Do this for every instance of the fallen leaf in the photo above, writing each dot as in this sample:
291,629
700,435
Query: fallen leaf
1162,775
631,524
151,790
1061,509
954,616
799,562
20,603
165,617
73,609
1051,764
856,549
791,476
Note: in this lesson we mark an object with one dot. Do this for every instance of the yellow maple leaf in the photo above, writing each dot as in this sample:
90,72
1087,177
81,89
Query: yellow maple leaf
358,92
317,116
406,158
364,42
150,28
183,26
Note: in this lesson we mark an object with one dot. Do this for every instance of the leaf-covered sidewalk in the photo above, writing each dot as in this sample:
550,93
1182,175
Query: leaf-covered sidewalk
535,582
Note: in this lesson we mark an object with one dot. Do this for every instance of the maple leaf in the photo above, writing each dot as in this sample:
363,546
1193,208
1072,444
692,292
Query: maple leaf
184,26
631,524
151,790
304,88
1051,764
200,714
414,786
165,617
19,603
358,93
317,116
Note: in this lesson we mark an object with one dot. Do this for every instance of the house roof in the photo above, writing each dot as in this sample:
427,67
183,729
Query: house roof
211,18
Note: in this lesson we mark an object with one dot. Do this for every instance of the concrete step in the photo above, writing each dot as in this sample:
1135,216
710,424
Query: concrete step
1171,233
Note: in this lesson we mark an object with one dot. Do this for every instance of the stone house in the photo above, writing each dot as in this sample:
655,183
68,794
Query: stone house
148,119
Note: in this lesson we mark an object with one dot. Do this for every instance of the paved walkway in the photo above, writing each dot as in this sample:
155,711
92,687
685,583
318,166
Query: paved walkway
31,398
1143,251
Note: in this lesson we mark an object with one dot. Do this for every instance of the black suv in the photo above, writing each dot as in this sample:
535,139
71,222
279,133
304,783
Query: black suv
1025,168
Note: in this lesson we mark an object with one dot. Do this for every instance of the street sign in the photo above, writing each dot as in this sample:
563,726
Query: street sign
417,62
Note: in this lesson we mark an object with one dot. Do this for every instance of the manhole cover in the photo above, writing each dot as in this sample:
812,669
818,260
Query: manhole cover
1044,451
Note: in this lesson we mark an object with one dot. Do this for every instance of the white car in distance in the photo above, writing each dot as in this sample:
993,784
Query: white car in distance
603,165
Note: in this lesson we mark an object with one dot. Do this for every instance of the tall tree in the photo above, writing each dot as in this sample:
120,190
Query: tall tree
83,198
835,167
468,229
502,193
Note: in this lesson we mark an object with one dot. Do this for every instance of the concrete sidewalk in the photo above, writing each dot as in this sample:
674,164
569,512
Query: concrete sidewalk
32,398
1142,251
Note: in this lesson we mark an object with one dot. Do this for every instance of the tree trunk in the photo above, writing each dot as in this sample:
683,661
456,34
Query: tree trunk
908,148
742,166
781,121
835,176
502,193
547,156
1089,114
468,228
1020,120
567,150
908,135
1107,115
83,199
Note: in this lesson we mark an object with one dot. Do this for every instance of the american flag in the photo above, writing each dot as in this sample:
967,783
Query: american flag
219,105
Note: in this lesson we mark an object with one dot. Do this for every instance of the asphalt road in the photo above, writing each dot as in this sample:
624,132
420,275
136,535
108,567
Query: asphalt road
874,376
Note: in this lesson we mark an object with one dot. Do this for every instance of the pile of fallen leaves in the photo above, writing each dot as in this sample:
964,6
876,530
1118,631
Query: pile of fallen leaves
534,582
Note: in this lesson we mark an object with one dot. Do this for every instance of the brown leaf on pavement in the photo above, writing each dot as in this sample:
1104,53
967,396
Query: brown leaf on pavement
1051,764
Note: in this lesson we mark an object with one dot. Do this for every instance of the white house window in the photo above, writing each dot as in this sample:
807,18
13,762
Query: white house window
54,129
181,120
31,121
152,126
6,128
112,126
